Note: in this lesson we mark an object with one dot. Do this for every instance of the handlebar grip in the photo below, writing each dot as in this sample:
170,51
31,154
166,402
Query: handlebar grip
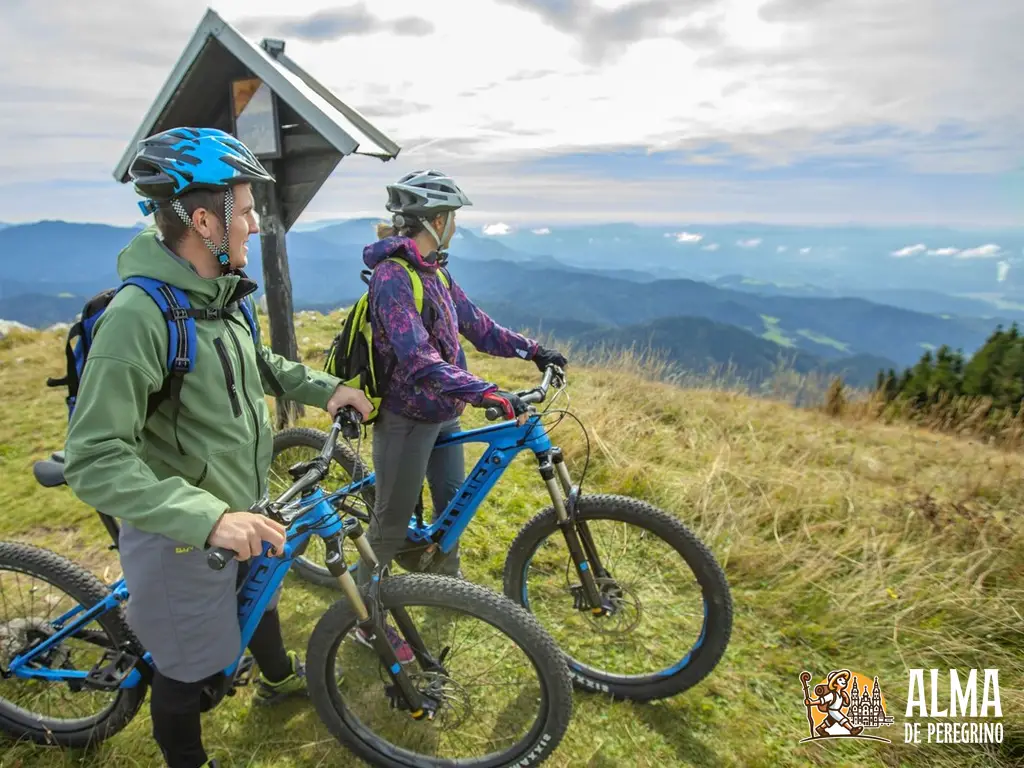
220,557
349,419
494,413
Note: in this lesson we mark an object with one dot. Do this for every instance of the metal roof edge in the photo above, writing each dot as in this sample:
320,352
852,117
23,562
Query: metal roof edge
389,148
285,78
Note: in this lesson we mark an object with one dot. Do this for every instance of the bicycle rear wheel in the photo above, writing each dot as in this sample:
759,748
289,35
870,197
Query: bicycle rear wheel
81,717
482,721
302,444
672,611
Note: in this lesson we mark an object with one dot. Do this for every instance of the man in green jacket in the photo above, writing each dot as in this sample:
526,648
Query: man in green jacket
181,479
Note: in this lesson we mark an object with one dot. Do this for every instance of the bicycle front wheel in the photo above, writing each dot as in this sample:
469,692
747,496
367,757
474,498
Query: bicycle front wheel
504,695
669,609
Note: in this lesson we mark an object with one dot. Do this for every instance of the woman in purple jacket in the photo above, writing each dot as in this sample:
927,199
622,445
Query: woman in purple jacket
429,385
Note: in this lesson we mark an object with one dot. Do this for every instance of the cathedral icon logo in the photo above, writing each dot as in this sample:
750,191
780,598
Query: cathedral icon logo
844,705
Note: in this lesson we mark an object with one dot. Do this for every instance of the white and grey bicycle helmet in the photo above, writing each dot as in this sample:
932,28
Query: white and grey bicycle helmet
422,195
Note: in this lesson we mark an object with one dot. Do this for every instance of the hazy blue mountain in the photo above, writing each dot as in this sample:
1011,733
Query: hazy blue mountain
56,256
40,310
829,327
919,300
692,343
51,258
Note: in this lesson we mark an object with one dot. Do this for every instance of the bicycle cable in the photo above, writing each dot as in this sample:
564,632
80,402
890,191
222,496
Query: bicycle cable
563,413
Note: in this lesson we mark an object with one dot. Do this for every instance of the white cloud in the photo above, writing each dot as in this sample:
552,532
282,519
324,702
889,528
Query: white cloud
501,228
751,243
910,250
685,237
542,231
1002,271
780,249
805,251
952,64
710,247
987,251
944,252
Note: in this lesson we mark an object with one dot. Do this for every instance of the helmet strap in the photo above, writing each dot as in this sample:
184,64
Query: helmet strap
221,253
441,254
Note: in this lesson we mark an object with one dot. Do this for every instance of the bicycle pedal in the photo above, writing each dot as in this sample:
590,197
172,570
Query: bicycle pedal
111,670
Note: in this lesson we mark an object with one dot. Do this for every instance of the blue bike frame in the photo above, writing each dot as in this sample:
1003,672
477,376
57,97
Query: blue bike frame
505,441
314,516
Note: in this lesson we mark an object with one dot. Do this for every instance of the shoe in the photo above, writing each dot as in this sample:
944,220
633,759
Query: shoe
402,649
270,693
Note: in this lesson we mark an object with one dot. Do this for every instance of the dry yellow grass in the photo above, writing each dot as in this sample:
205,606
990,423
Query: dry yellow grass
858,544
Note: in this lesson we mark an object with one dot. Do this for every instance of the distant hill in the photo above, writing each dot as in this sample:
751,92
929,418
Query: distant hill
832,328
48,259
918,300
694,344
39,310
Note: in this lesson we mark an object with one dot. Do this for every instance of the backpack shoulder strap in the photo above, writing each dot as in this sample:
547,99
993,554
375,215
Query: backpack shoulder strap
181,326
248,308
417,283
181,341
445,277
249,313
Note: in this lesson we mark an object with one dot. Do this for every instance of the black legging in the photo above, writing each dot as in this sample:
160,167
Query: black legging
176,706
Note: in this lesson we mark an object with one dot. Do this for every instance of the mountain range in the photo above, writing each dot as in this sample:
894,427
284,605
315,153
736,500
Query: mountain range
613,285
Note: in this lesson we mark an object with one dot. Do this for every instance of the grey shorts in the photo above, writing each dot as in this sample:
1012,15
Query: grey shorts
183,612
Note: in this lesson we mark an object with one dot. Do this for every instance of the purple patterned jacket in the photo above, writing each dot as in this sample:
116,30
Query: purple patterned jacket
429,380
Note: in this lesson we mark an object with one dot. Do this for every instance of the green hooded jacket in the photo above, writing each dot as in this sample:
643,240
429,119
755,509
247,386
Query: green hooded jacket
176,477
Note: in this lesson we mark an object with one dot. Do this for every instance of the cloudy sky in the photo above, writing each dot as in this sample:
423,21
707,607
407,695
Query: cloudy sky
549,111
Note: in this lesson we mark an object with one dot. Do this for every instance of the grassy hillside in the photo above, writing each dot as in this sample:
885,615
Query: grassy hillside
871,547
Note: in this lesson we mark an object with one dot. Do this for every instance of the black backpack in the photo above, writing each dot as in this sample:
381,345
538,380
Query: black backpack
181,328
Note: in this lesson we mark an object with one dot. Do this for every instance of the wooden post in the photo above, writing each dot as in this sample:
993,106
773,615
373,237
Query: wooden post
277,284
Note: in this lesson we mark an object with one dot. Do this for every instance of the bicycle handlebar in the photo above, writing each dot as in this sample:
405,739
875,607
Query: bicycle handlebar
347,417
529,396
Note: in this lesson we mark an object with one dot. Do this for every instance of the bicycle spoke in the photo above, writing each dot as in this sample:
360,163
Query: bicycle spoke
489,688
19,628
654,595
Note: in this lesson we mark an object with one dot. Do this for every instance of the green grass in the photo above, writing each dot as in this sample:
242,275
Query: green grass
772,332
818,338
867,546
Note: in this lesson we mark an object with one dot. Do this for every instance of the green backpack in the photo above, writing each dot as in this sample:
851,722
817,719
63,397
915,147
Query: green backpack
351,356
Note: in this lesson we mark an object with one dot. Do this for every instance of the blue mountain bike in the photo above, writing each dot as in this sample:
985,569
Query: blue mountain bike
636,602
500,696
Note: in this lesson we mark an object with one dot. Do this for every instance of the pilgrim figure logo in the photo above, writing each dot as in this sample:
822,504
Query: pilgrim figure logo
842,706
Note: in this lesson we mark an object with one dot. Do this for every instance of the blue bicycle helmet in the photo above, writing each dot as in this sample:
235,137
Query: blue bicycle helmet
171,163
180,160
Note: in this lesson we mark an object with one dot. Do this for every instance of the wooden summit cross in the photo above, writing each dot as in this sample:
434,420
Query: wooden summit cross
296,127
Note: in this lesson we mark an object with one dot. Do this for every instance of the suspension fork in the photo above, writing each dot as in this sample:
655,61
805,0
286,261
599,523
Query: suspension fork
582,526
576,533
370,618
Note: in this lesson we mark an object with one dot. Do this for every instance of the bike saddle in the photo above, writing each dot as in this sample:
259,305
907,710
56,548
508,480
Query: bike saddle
50,472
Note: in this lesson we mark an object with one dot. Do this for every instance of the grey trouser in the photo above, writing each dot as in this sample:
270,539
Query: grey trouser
184,613
403,455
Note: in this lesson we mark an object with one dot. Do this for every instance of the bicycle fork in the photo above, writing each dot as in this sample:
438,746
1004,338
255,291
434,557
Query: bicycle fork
371,620
576,532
